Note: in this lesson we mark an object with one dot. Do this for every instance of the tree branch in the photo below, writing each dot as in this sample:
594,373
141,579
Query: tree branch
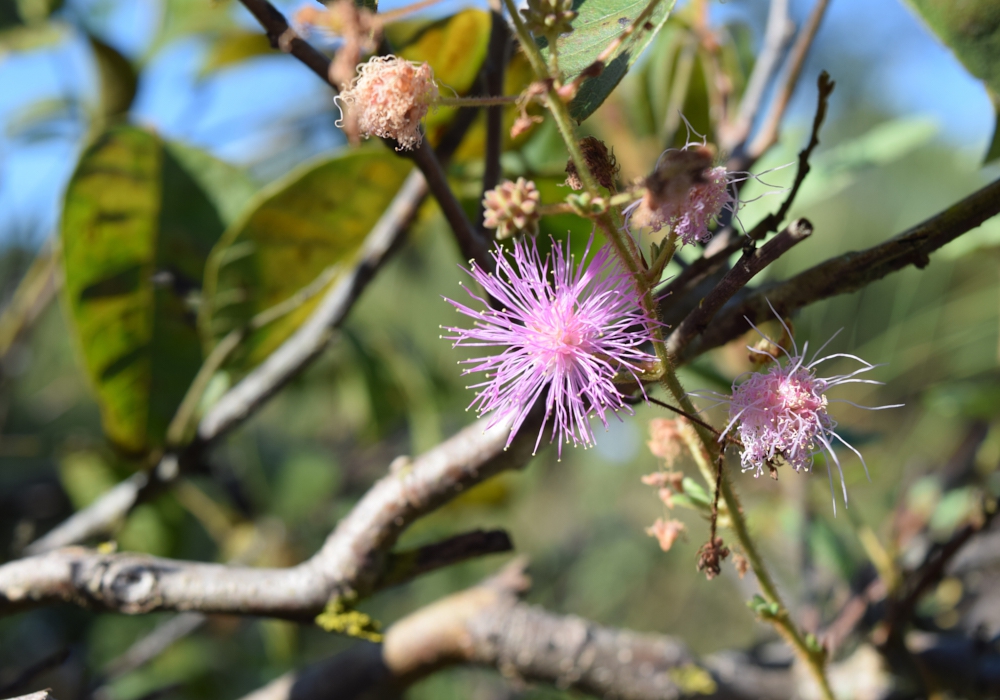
779,30
487,625
851,271
745,269
768,134
352,560
284,38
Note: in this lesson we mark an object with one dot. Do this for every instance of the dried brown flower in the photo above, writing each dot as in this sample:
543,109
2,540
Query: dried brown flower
602,164
711,556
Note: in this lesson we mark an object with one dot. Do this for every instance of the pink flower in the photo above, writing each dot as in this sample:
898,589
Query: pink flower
564,332
783,412
685,193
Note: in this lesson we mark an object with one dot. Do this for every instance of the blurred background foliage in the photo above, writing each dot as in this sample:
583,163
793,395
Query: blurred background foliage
205,183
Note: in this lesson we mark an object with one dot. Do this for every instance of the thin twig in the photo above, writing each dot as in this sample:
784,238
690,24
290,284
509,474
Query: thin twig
751,263
497,53
850,271
772,221
284,38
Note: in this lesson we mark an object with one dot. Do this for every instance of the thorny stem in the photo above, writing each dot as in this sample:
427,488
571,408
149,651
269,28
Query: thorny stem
814,659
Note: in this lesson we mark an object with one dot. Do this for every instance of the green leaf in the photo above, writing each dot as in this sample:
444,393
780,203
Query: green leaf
118,79
231,48
228,187
299,228
136,232
970,28
598,23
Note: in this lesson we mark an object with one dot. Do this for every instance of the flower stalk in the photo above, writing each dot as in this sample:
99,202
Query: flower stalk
773,610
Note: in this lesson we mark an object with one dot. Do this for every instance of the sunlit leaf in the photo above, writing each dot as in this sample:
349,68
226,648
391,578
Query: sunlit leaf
598,24
315,218
136,232
235,47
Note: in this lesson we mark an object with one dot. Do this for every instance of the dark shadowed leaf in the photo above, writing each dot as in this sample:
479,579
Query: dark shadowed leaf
228,187
315,218
597,25
136,232
118,79
971,29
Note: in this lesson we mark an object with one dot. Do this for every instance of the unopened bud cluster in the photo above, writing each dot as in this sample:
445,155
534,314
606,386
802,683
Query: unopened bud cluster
549,17
512,208
389,97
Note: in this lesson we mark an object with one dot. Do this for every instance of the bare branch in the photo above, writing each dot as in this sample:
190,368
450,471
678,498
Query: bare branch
768,134
497,53
40,695
487,625
752,262
353,559
778,32
772,221
284,38
851,271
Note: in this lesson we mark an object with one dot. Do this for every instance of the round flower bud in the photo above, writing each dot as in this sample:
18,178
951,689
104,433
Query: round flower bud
512,208
549,17
389,97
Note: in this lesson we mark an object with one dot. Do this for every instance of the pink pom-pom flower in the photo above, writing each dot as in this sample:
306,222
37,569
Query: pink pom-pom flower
390,96
783,412
564,331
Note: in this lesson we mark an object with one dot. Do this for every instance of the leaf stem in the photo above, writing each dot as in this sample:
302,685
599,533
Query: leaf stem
476,101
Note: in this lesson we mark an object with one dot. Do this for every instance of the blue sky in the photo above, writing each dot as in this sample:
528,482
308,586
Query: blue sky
242,111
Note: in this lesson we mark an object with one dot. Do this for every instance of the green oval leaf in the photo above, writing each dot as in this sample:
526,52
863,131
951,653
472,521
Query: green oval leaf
307,227
231,48
972,30
598,23
136,232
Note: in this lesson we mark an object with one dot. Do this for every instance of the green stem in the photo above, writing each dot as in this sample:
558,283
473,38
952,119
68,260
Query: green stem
527,41
627,252
476,101
815,660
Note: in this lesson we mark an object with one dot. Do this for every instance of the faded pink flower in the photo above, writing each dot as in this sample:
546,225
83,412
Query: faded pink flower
783,412
666,532
564,332
390,96
684,193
